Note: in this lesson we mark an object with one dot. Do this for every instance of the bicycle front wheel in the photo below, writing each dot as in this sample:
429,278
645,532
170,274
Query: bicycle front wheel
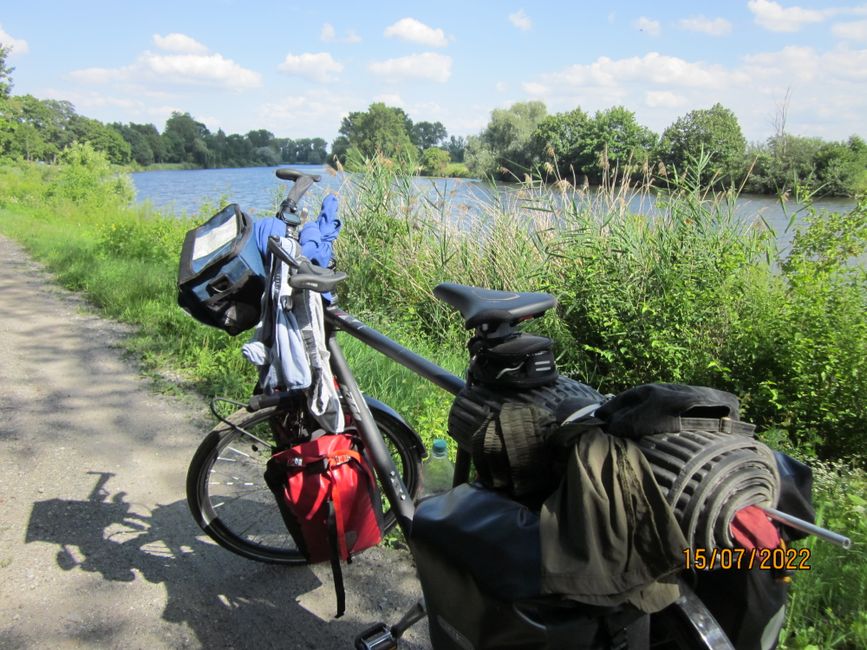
228,496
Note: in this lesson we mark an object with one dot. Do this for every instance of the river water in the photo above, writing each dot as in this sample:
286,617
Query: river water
258,191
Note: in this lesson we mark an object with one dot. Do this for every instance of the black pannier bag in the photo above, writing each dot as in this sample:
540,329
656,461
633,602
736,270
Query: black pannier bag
478,557
221,277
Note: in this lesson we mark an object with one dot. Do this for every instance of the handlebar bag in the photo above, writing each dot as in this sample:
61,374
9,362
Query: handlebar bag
329,499
221,277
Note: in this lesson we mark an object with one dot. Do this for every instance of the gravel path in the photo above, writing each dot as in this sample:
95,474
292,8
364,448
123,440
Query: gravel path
97,548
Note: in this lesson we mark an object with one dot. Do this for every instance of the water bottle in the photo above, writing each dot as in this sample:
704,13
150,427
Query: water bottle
437,470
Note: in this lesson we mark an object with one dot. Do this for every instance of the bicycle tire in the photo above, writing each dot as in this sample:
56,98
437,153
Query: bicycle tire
238,510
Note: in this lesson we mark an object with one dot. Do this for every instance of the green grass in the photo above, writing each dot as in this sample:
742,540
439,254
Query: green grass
692,296
827,603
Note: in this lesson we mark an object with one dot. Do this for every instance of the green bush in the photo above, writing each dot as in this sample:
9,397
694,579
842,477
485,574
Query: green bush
694,294
435,161
86,176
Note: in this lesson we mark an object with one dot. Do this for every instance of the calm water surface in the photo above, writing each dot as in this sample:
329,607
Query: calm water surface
257,190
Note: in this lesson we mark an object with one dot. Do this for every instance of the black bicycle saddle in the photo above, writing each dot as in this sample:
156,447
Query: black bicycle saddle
479,305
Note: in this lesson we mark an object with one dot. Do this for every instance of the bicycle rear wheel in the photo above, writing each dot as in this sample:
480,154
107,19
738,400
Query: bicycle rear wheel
228,496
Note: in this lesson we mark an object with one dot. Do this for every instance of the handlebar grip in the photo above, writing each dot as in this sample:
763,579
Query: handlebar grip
288,174
302,184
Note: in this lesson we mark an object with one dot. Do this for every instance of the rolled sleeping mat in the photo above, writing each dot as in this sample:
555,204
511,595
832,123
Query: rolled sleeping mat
708,476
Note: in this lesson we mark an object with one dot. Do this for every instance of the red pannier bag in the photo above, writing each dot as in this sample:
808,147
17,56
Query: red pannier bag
329,500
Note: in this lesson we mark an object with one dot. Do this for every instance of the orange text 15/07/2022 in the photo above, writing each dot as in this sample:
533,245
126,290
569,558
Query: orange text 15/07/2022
777,559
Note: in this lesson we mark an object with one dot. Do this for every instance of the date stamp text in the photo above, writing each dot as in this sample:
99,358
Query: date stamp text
766,559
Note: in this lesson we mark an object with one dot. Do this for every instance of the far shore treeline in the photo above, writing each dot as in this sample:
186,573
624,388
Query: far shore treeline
572,146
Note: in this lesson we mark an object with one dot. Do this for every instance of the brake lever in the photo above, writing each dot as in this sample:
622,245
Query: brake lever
276,249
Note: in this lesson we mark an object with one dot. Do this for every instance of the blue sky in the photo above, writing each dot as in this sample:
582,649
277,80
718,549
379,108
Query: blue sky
296,68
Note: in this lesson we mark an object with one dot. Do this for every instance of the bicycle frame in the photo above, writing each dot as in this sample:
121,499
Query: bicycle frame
395,491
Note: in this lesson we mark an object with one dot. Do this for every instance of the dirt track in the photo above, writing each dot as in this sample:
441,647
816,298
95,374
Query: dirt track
97,548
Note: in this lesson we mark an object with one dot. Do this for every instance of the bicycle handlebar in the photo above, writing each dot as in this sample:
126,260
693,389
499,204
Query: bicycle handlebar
287,174
302,184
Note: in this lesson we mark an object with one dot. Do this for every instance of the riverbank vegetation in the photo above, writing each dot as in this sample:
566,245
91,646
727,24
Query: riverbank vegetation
582,149
521,140
693,296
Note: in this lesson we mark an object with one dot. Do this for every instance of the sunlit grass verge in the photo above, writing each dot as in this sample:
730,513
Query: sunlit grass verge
124,260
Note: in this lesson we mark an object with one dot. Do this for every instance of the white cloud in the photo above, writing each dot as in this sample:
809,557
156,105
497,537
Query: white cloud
319,66
776,18
390,99
209,69
113,108
427,65
101,75
316,113
663,98
710,26
853,31
329,35
535,88
521,20
659,87
179,43
414,31
15,45
182,69
501,86
648,26
213,123
651,68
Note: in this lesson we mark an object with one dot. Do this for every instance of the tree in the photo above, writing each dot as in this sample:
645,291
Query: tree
456,147
140,150
27,142
152,136
260,138
37,129
381,129
238,150
217,146
425,135
185,140
785,161
5,74
615,143
714,131
101,137
435,161
505,147
266,156
561,137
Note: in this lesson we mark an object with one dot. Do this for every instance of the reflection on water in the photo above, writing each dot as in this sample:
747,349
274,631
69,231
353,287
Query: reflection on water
258,191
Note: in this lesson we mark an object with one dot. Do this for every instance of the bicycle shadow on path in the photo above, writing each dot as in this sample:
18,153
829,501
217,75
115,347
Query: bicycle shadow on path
97,548
220,601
